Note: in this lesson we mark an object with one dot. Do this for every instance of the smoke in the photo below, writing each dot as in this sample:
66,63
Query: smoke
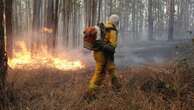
128,52
145,52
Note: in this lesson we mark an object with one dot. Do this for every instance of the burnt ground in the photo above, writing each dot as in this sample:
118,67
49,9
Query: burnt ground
148,87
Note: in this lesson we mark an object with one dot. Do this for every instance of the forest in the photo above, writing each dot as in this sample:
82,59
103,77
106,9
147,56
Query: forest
44,65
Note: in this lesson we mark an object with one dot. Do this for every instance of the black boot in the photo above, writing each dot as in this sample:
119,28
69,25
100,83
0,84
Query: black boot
116,86
89,96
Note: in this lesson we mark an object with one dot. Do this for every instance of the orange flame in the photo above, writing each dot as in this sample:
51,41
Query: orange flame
47,30
24,59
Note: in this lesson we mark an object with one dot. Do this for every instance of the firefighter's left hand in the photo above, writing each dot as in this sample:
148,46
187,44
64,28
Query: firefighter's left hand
108,49
99,44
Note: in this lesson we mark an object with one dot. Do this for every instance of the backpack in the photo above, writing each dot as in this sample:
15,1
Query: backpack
90,35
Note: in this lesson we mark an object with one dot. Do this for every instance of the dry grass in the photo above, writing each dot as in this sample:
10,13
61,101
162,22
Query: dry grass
162,87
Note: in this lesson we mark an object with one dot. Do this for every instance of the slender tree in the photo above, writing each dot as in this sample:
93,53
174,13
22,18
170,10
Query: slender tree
52,21
99,10
3,57
90,11
150,19
9,32
171,20
134,18
55,23
36,24
66,19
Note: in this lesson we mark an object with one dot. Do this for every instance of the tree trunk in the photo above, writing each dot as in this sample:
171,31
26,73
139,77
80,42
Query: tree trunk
9,32
55,27
99,10
171,20
90,11
36,25
66,20
52,21
3,57
110,12
134,19
150,20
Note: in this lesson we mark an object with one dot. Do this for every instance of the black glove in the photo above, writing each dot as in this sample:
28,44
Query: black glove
108,49
99,44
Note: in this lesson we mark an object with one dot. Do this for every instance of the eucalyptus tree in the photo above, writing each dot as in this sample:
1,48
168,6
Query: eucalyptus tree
9,31
3,57
171,20
150,19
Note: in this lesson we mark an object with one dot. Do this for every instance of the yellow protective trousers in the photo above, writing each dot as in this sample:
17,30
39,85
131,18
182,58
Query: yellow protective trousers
104,63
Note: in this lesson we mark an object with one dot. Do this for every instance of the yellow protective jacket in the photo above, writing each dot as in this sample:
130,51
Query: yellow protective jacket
112,36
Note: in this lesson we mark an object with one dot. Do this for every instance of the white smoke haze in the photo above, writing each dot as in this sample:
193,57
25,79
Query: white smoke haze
127,53
133,47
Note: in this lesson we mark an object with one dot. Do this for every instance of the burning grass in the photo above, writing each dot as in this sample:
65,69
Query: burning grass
24,58
162,87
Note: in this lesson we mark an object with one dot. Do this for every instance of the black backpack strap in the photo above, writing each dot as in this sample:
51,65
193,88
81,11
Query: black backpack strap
111,29
102,30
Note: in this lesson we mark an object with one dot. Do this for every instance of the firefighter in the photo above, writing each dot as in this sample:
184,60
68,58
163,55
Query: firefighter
104,57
